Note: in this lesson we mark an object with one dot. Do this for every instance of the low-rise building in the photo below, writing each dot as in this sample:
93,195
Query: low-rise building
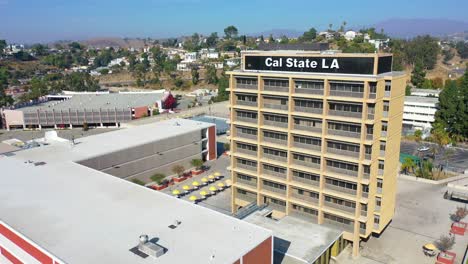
93,109
62,206
425,92
419,112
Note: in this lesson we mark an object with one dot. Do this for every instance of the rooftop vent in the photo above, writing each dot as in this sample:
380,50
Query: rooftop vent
147,247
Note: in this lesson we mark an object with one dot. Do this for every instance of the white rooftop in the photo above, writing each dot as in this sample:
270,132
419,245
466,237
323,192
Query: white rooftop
421,100
85,216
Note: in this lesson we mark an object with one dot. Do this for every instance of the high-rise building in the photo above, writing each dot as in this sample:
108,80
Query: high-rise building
317,135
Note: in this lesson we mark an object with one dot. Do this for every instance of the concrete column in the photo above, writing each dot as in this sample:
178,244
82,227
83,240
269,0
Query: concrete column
39,127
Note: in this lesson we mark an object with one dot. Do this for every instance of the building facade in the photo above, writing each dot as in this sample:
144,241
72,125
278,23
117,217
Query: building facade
318,134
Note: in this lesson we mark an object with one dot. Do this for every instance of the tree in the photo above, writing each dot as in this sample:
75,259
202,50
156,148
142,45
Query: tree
459,214
437,83
309,35
408,90
5,100
418,75
139,182
197,163
271,39
423,49
195,76
212,40
418,135
211,76
178,169
445,243
462,49
284,39
407,165
158,177
231,32
3,45
39,50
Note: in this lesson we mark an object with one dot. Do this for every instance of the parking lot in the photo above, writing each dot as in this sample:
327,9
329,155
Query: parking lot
458,157
421,216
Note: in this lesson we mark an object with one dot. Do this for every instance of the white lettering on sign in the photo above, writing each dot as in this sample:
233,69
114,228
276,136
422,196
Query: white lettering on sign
301,63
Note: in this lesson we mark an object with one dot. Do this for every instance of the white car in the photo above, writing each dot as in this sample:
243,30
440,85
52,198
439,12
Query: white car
423,148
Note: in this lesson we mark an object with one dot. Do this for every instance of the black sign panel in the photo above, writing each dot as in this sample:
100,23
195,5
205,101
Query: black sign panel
343,65
385,64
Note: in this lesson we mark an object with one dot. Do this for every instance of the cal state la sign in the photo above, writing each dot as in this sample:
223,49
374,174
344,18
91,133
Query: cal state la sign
343,65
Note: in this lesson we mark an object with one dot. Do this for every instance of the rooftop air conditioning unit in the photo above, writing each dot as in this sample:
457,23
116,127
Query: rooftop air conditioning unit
150,248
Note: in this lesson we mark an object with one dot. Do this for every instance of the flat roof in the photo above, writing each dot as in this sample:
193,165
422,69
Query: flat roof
337,53
430,91
98,101
82,215
421,99
296,240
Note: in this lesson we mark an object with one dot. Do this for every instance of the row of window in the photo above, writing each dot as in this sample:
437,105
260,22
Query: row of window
344,147
346,107
356,87
275,152
339,201
305,158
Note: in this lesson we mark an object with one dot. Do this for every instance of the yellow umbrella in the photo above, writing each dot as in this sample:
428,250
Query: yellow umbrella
175,192
186,187
213,189
204,179
430,246
211,177
193,198
217,174
220,184
203,193
195,183
228,182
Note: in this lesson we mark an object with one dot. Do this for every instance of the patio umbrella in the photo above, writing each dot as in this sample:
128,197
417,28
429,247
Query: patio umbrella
195,183
186,188
204,180
211,177
193,198
175,192
221,185
203,193
217,174
213,189
430,246
228,182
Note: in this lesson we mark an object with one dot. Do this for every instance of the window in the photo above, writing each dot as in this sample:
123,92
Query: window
274,185
308,103
246,114
346,107
274,135
370,129
340,201
342,184
365,188
275,100
381,164
245,177
276,118
384,126
373,87
378,201
388,86
309,84
355,87
247,162
306,210
307,176
368,149
276,83
241,97
308,140
305,158
308,122
376,219
246,81
337,219
344,127
275,152
267,167
386,106
343,147
342,165
382,145
245,130
362,225
379,183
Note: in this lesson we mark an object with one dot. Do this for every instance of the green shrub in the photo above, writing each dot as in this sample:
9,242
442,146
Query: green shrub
158,177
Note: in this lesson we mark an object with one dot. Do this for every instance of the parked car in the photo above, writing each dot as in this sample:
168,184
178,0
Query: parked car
423,148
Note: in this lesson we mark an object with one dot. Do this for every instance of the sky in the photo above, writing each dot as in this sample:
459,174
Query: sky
31,21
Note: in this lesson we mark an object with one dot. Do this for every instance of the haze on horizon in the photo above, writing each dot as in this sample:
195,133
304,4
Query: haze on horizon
50,20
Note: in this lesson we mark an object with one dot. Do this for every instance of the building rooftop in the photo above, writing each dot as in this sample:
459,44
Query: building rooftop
421,100
96,101
309,74
82,215
296,240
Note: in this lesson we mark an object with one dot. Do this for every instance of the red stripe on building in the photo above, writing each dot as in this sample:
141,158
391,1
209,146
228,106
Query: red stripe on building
25,245
212,143
9,256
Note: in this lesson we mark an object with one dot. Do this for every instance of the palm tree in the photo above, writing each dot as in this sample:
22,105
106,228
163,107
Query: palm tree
330,27
407,165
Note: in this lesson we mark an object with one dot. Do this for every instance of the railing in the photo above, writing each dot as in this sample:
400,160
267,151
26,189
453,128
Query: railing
340,207
273,189
247,103
275,157
370,116
305,181
246,151
380,172
343,152
366,175
308,128
385,114
362,231
246,119
306,164
345,113
247,86
379,190
365,194
340,189
276,88
246,167
376,226
377,208
372,95
308,109
274,174
387,93
368,156
344,133
369,136
247,198
245,182
382,153
244,135
346,94
342,171
345,227
307,146
308,91
275,124
305,198
275,106
383,134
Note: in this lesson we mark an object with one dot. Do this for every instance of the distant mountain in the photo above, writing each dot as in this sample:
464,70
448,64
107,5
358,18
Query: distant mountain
408,28
278,33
